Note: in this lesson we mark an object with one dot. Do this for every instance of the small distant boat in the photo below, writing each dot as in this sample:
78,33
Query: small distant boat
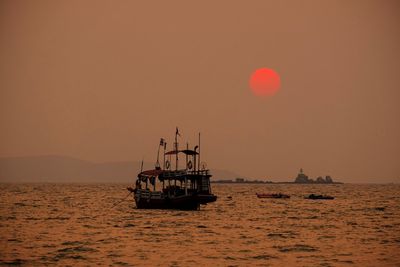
278,195
313,196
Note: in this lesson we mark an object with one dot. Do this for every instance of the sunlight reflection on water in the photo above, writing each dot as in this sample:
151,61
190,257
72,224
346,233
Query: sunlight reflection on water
74,224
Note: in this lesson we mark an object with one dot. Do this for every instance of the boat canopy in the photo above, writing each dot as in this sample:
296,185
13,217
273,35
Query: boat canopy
185,151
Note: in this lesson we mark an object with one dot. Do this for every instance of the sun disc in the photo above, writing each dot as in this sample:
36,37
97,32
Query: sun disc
264,82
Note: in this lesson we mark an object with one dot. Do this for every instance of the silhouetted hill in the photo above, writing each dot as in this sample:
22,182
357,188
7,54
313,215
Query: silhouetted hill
62,169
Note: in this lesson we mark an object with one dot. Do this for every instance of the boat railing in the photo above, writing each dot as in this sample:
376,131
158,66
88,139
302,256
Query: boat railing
175,173
201,172
155,194
185,172
143,192
147,193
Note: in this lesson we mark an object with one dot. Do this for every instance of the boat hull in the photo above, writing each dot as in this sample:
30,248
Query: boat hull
319,197
184,202
272,195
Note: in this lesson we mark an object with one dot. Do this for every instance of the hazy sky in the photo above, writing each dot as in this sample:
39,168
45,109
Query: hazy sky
104,80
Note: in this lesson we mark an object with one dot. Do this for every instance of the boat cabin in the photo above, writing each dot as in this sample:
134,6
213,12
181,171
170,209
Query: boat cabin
169,186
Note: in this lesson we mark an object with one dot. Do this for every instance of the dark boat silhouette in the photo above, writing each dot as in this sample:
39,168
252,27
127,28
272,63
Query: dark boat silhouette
184,189
274,195
313,196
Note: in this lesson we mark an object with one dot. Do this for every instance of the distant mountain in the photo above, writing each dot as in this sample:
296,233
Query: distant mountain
62,169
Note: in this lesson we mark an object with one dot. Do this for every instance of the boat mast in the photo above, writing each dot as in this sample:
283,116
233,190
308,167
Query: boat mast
176,148
198,168
158,153
165,147
187,148
194,159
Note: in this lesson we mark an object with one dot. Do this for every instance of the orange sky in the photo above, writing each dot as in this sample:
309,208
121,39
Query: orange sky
104,80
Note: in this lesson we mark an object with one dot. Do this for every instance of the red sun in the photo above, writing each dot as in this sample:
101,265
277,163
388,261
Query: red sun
264,82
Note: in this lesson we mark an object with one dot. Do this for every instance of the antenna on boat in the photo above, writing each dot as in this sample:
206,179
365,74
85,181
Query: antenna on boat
158,153
187,148
194,158
198,168
176,148
141,168
165,147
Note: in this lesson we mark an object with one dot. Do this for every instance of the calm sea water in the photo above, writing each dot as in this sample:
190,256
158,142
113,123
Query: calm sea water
76,224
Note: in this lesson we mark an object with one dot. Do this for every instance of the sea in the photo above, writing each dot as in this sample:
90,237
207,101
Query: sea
98,224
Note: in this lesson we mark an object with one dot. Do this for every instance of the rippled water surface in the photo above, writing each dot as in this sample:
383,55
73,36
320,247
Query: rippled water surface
77,225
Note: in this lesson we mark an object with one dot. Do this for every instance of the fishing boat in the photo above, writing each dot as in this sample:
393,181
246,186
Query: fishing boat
275,195
171,187
313,196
